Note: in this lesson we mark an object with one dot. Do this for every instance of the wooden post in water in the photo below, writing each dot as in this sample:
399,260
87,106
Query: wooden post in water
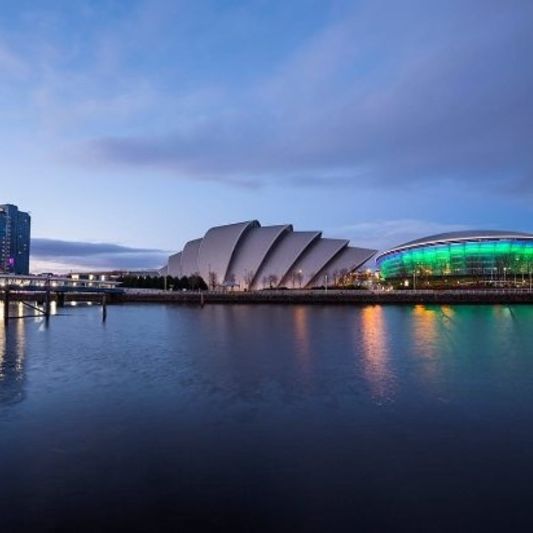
47,303
104,307
201,299
6,305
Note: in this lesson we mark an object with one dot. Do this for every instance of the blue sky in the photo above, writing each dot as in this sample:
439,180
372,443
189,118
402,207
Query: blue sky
140,124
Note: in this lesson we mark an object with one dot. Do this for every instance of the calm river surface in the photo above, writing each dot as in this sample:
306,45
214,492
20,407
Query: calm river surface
333,418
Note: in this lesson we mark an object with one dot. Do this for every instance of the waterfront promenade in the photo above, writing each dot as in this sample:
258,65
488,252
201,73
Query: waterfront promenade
289,297
501,296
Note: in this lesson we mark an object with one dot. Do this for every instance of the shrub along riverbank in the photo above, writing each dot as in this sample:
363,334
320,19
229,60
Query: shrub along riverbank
162,282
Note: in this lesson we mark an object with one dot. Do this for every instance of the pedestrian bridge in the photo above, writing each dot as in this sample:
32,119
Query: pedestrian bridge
22,283
45,288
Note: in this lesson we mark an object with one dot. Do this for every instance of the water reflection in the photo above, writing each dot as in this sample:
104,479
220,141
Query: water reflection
425,330
302,337
431,341
12,362
209,406
375,353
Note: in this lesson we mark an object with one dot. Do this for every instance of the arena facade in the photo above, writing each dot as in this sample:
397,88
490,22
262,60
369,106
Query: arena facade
248,256
489,256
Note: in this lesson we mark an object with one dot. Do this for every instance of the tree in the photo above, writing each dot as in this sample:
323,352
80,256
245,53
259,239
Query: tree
231,280
196,282
343,273
248,279
212,280
272,280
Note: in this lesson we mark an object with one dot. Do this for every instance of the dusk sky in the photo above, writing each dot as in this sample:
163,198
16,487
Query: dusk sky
130,127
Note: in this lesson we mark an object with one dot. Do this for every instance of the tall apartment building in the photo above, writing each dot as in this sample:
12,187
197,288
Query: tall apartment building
15,229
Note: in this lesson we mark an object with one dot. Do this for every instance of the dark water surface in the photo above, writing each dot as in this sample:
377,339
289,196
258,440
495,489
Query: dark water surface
285,418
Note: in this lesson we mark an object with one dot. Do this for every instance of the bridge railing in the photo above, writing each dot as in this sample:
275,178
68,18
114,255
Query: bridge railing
22,282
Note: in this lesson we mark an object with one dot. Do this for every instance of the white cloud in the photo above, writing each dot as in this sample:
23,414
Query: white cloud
387,233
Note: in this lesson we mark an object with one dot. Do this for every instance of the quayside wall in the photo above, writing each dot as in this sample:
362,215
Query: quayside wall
295,297
329,297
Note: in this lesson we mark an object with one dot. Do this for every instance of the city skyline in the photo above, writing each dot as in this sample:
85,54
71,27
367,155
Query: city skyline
130,129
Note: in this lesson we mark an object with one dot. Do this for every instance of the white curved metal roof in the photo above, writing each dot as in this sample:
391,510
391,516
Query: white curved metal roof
347,260
312,261
282,256
217,248
174,265
251,252
249,256
189,258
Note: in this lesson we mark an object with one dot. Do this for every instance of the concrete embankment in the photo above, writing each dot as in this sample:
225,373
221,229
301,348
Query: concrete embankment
21,296
330,297
296,297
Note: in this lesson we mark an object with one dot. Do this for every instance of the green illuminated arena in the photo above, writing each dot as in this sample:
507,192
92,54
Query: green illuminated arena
490,257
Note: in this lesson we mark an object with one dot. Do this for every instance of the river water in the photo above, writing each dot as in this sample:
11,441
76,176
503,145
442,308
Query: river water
283,418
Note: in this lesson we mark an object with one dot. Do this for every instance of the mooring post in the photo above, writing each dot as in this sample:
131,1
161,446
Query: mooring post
104,307
6,305
47,303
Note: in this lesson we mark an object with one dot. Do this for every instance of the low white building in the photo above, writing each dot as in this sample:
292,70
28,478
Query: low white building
248,256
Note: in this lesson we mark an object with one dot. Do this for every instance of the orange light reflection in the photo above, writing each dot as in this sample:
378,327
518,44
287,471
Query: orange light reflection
425,323
301,334
376,364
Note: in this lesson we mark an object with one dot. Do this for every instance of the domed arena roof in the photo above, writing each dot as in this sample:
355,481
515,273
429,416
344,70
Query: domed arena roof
468,234
458,236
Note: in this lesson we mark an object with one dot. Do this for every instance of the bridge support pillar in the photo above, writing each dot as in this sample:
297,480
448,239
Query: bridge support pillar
6,306
47,304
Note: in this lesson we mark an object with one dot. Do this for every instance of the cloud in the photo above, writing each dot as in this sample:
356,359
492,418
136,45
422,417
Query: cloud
62,256
383,234
399,96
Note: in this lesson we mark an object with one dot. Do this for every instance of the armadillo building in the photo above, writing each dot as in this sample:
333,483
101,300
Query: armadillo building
248,256
487,255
